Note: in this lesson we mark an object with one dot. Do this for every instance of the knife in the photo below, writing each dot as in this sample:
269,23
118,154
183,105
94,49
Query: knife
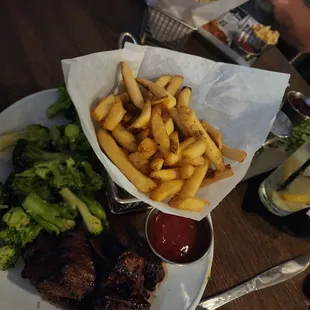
268,278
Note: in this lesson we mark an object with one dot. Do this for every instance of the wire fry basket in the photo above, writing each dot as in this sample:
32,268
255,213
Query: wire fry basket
161,29
121,202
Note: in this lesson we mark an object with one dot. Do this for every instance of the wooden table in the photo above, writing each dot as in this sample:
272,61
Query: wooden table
36,35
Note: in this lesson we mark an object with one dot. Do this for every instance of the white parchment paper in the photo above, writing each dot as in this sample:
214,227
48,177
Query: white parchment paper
242,102
194,13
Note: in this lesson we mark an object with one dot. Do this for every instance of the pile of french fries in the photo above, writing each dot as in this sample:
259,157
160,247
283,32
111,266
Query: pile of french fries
153,136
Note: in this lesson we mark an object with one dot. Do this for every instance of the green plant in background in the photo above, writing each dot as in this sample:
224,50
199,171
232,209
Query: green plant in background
300,135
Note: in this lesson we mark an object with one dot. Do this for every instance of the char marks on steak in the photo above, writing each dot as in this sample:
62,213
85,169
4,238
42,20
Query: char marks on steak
124,287
153,270
61,267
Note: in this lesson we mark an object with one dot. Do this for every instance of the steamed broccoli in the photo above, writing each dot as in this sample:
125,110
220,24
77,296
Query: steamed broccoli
26,154
70,138
18,186
92,223
63,106
33,133
20,229
94,181
59,175
8,256
3,199
47,215
94,206
16,218
20,237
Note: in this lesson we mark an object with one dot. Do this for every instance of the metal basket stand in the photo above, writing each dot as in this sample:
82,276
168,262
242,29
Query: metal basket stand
161,29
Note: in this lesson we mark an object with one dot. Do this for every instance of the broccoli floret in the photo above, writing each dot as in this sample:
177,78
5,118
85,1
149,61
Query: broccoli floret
47,214
63,106
94,206
72,132
59,140
59,175
26,154
20,237
16,218
70,138
8,256
21,230
94,181
92,223
33,133
10,236
29,233
18,186
3,199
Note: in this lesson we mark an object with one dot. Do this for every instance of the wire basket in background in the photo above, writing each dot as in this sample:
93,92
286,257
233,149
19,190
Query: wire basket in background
160,29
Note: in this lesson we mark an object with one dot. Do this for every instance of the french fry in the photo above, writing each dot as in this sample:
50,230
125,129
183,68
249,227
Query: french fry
143,120
124,138
191,186
165,115
172,159
147,148
115,115
234,154
194,127
158,154
188,203
186,171
147,95
198,161
140,136
158,92
127,117
215,175
103,108
165,174
166,189
174,143
117,156
175,116
132,109
158,100
159,133
195,150
139,161
158,108
169,125
163,80
214,133
146,84
174,84
123,97
184,144
132,86
156,164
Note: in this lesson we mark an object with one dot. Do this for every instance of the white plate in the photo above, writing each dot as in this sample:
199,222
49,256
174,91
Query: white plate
182,288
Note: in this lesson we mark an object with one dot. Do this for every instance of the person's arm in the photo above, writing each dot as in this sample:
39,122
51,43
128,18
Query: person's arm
293,20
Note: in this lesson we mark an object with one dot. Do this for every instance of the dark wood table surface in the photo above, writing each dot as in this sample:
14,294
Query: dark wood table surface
37,34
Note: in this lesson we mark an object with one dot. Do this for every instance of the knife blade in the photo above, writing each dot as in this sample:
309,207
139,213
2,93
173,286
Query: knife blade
265,279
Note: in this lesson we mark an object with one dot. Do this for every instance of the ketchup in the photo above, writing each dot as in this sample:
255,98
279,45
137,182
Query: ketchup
176,238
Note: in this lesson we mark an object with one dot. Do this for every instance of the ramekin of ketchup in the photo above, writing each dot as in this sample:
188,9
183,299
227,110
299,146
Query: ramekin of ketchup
176,239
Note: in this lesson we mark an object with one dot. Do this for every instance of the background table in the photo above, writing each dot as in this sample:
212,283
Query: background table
37,34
